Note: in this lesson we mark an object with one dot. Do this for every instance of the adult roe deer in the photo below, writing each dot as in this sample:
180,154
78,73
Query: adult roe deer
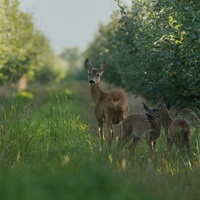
176,130
110,108
136,127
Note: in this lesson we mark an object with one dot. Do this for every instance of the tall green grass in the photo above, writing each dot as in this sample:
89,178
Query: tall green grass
47,151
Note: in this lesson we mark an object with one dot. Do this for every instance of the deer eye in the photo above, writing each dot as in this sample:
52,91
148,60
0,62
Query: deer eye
89,74
98,75
155,109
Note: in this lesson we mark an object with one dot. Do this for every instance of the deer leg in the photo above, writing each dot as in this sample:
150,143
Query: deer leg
118,136
169,145
186,142
133,145
187,147
154,146
151,145
120,131
100,129
124,139
111,133
101,134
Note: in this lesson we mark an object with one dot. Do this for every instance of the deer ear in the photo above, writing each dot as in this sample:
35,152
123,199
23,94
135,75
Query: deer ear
146,108
103,66
88,64
160,99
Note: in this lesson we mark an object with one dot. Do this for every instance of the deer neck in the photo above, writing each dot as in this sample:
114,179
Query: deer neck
153,123
96,92
165,119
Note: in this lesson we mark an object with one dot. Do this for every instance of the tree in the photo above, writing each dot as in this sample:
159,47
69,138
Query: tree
154,49
25,51
72,57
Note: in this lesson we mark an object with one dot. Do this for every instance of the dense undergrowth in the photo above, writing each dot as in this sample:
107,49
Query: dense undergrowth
48,151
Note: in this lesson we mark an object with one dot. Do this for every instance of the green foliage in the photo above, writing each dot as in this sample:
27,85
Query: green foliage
152,47
24,50
72,57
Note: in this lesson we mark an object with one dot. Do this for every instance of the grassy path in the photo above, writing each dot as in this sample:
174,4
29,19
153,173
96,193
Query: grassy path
49,150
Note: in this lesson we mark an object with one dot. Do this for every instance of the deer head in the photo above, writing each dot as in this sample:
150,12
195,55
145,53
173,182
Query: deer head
148,113
156,110
94,74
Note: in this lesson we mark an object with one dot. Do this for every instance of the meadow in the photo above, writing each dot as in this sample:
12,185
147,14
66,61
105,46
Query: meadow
49,149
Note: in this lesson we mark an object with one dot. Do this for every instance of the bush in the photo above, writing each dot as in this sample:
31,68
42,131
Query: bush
152,47
25,51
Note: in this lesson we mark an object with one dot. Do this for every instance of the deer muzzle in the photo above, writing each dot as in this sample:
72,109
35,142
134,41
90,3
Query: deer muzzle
92,82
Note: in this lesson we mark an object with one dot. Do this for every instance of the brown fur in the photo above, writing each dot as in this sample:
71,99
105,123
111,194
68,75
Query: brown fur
137,127
177,130
112,107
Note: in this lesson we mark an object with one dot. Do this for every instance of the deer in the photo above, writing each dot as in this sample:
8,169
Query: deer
177,131
136,127
110,107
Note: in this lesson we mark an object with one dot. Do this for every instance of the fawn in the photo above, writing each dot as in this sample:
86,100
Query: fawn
110,108
176,130
136,127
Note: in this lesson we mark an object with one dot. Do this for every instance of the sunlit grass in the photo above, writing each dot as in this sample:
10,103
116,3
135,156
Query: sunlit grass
24,94
47,151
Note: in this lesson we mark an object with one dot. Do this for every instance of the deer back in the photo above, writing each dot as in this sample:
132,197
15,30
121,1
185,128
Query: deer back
135,125
112,107
179,125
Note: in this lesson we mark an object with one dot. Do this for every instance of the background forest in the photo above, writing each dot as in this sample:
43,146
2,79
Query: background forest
153,47
25,51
